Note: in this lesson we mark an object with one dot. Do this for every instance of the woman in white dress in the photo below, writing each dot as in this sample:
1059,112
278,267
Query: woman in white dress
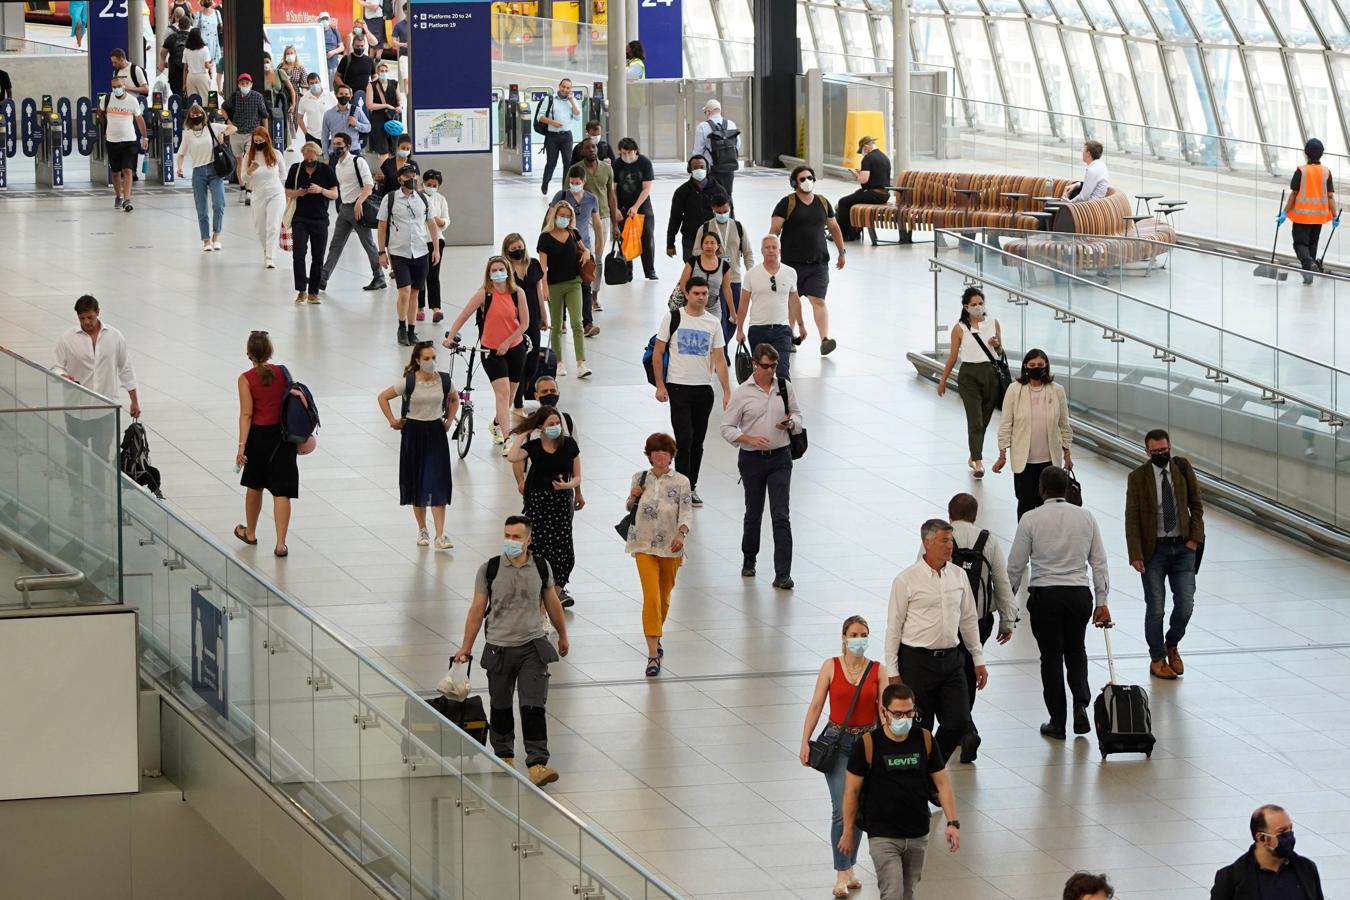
262,176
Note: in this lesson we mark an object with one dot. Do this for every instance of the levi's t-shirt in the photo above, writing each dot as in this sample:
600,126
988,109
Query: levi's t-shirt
896,787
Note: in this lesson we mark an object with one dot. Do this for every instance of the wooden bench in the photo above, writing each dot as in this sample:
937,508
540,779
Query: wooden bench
1105,234
926,201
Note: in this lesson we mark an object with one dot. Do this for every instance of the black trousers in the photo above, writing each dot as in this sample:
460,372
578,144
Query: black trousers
648,236
531,363
845,206
1059,620
1306,240
725,179
1027,487
431,296
986,629
556,144
690,407
939,685
767,473
313,235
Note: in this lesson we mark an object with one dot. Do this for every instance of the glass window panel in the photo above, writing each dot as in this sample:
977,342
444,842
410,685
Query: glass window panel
1171,21
930,37
964,6
858,41
829,43
1327,15
1152,85
1058,81
1319,102
1118,81
737,18
1019,70
981,82
1041,9
1083,63
1132,18
1273,91
1209,20
1189,86
926,6
1251,22
698,20
1230,89
807,42
882,36
1292,20
1003,6
1070,12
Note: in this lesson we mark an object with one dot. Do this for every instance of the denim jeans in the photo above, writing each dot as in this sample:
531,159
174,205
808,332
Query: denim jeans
204,178
1173,563
780,338
835,778
899,865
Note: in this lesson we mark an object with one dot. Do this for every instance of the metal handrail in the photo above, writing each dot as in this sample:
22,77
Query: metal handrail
62,575
1327,415
103,402
1060,273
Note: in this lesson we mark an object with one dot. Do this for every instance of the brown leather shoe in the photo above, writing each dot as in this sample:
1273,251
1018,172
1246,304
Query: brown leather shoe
1174,660
1160,669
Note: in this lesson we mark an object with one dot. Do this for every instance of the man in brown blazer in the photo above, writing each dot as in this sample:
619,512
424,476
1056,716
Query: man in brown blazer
1164,527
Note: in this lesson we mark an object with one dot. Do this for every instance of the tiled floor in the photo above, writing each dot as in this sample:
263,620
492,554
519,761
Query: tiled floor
696,772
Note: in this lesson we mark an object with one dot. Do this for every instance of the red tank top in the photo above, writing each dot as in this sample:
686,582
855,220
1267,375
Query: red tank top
266,398
501,321
841,695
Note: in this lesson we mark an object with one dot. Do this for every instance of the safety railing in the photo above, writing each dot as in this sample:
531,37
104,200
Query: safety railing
1263,421
58,487
429,813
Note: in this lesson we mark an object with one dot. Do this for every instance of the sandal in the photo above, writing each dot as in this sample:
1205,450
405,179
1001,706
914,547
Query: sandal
653,666
242,533
660,651
854,885
840,889
284,551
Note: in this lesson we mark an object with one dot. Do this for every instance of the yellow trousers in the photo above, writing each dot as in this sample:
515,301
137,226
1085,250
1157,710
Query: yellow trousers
658,580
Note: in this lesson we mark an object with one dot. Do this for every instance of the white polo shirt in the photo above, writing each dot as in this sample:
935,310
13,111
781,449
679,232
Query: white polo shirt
769,294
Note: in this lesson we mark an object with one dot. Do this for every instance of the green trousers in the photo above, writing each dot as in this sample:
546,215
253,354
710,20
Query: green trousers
977,383
566,295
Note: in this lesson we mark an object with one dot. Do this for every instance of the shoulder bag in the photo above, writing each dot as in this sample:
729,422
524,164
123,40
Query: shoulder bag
222,160
820,752
626,523
368,216
288,215
1074,492
586,270
1001,370
796,439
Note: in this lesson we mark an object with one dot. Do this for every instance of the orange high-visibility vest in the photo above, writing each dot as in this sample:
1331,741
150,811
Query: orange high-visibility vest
1312,206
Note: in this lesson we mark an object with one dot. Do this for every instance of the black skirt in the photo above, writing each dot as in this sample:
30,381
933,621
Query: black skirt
424,464
270,462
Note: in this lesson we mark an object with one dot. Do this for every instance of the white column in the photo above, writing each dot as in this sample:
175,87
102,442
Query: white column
618,76
901,132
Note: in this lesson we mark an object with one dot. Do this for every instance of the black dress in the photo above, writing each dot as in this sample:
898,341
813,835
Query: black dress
550,510
380,141
530,284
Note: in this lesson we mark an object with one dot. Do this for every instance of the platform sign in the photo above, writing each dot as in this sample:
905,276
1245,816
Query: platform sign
108,31
661,29
451,115
210,677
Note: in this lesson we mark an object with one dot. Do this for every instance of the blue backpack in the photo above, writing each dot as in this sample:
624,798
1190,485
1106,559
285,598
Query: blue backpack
665,357
299,412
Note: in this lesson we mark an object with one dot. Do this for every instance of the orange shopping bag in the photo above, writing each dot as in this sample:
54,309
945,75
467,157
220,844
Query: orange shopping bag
632,236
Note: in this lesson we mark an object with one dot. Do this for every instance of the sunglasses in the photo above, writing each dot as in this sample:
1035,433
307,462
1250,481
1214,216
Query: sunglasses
768,365
252,333
773,283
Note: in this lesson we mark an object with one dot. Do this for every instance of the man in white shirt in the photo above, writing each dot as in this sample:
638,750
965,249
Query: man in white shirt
695,353
354,186
410,241
310,108
133,76
932,614
770,304
124,136
95,355
716,139
1095,179
558,113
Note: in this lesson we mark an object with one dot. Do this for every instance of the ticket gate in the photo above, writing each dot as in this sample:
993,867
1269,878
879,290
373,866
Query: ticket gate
596,109
516,153
161,141
50,161
9,143
495,114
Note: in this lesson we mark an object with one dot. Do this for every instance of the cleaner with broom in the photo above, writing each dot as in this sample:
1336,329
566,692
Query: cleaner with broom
1312,203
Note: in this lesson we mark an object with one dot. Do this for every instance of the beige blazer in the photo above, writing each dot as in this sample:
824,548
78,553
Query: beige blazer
1014,427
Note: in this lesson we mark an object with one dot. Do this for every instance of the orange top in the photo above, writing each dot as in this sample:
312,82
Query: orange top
841,695
501,320
1312,206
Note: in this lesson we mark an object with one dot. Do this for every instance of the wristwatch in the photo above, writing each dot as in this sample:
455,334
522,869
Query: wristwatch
954,823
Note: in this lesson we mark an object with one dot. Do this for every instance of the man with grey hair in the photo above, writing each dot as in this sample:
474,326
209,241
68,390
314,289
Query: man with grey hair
932,614
717,139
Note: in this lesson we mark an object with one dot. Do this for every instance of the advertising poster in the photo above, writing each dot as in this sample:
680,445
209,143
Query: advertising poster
308,43
209,654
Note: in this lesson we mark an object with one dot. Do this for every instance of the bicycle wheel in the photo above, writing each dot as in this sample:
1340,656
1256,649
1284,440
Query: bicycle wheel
464,432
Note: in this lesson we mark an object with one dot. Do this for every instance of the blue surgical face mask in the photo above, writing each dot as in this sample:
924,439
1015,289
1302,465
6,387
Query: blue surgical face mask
722,218
512,549
316,89
857,646
576,188
404,153
900,727
553,432
562,221
698,174
117,91
498,276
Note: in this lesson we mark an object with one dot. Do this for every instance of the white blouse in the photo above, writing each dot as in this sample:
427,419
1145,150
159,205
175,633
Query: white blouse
265,180
666,504
197,146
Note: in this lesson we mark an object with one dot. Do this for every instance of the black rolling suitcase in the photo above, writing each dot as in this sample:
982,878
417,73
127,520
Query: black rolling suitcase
1124,723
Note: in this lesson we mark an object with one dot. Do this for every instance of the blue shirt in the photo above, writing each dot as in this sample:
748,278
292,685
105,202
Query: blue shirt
332,40
401,35
335,121
562,111
585,209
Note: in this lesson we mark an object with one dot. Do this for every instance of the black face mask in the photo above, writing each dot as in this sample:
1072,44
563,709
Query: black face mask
1161,458
339,150
343,101
259,144
1284,844
1036,373
406,184
516,254
548,399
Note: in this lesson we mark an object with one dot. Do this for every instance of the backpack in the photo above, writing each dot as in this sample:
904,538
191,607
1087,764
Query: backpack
446,389
389,206
980,573
651,350
176,43
539,127
792,205
494,566
299,412
858,819
722,144
134,459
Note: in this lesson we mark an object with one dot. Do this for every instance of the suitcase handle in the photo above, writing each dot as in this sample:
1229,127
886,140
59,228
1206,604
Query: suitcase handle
1110,658
468,665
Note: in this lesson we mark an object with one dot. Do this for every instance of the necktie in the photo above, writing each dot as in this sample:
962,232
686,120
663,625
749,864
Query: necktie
1169,505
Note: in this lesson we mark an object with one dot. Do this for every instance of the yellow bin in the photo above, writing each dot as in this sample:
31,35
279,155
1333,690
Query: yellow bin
859,124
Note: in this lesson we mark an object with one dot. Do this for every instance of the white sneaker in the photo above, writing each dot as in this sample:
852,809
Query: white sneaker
423,539
583,371
562,370
443,543
495,430
215,245
267,261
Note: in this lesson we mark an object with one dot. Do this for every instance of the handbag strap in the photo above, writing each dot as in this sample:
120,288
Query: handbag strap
976,335
852,704
782,392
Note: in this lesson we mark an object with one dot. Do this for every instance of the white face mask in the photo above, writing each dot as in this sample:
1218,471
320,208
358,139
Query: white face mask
290,57
698,174
628,157
244,89
976,310
806,185
428,365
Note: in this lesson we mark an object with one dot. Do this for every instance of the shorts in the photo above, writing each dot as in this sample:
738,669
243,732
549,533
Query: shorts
122,155
410,272
511,366
239,144
813,279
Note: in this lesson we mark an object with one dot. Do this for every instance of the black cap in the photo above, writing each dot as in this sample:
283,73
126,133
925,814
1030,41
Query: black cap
406,169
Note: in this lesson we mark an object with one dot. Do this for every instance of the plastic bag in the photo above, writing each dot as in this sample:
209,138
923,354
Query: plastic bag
632,236
455,684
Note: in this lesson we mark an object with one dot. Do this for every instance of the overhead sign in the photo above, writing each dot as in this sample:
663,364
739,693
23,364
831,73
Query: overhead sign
661,29
451,115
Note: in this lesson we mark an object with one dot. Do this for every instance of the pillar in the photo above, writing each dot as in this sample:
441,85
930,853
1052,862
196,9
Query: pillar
776,61
901,132
243,43
618,77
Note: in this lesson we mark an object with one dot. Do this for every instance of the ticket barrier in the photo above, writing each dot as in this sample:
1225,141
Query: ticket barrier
50,161
516,153
99,171
162,139
596,108
9,139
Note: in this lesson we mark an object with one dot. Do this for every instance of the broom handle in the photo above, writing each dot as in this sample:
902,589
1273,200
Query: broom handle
1327,246
1276,241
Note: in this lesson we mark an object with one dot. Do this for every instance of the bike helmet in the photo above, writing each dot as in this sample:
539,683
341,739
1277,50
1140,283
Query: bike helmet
393,128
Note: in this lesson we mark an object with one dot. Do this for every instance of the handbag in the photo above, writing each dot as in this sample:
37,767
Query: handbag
368,216
1074,491
288,214
796,439
618,268
286,240
585,269
631,239
745,365
1001,370
626,523
222,160
820,752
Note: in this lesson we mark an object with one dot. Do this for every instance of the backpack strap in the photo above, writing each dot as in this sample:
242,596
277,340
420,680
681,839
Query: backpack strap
494,566
446,387
782,392
927,746
541,564
981,541
409,385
